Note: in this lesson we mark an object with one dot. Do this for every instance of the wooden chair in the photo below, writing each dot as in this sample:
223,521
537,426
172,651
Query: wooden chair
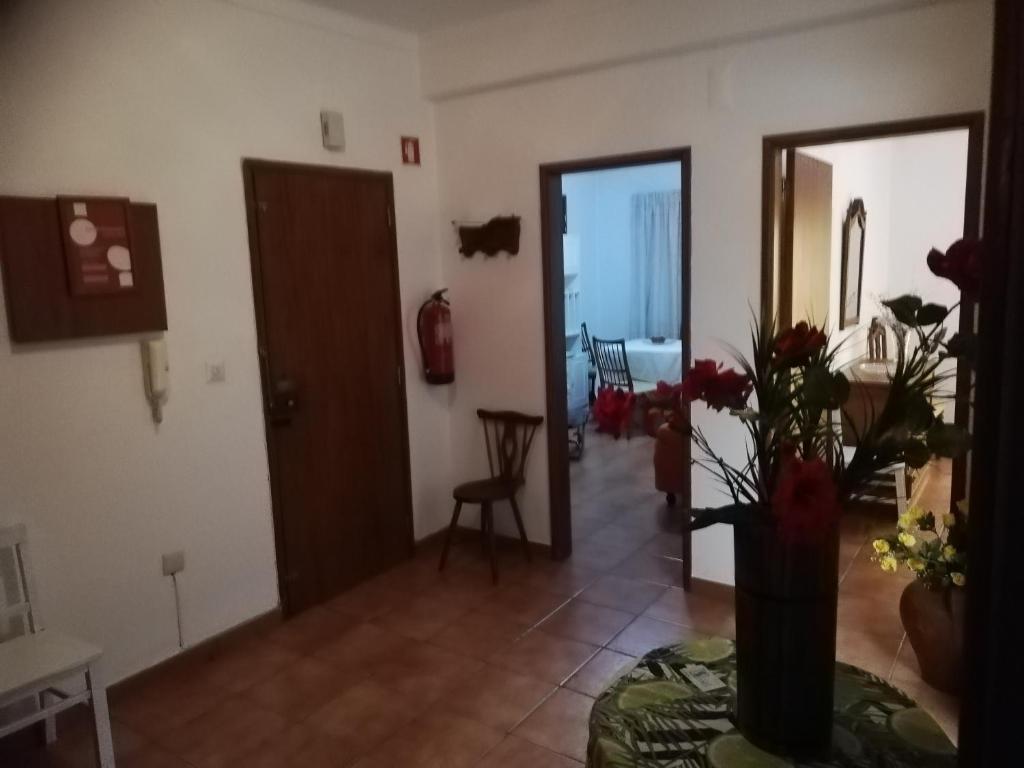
612,364
887,488
34,661
508,435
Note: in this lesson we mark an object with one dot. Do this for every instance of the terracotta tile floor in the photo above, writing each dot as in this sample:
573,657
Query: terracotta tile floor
418,668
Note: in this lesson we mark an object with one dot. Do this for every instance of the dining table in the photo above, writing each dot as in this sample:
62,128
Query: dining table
655,361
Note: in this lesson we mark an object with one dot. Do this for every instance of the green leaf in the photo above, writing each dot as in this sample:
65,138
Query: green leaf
948,439
817,386
916,453
728,515
840,388
931,314
919,412
963,345
904,308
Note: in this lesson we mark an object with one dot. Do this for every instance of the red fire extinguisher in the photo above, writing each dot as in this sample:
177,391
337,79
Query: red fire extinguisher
434,328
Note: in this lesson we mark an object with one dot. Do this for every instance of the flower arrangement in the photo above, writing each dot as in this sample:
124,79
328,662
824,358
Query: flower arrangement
789,492
796,475
931,548
613,410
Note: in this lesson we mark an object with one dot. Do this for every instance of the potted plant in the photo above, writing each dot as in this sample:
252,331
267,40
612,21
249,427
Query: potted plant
790,490
932,605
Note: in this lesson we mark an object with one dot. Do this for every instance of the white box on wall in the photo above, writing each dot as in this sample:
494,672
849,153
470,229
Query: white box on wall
332,128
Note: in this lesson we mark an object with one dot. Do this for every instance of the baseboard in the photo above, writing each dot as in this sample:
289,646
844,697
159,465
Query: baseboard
464,533
714,589
200,652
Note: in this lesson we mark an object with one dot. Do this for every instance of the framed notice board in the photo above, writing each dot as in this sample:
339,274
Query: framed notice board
76,267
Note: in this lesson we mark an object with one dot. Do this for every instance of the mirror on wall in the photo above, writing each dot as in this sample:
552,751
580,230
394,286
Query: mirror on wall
852,264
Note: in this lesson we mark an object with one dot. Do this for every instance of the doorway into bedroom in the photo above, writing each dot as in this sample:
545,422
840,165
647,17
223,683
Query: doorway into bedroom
850,215
616,237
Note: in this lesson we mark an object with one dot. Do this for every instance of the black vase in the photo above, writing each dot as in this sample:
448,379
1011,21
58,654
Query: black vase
786,593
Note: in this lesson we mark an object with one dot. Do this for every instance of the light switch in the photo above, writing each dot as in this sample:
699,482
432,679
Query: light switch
332,128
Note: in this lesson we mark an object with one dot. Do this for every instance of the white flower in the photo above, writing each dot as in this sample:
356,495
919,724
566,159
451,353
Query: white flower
958,578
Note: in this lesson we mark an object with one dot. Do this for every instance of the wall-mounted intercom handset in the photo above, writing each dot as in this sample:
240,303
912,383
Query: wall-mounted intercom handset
155,373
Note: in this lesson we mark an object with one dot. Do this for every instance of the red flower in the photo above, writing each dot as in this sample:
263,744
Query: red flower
797,344
613,409
805,500
718,388
960,264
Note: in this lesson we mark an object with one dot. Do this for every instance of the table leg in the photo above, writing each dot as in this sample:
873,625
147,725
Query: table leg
101,719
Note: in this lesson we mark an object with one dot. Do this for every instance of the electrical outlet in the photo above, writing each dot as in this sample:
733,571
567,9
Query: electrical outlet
216,373
174,562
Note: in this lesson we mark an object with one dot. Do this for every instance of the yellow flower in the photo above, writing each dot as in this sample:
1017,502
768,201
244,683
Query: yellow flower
915,512
916,564
881,546
889,564
958,578
905,521
949,520
949,551
906,539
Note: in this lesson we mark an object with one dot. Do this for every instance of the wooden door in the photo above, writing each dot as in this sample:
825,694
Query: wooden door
325,274
806,259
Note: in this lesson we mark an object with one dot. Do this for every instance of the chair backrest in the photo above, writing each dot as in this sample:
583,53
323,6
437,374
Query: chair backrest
612,365
509,435
17,590
587,346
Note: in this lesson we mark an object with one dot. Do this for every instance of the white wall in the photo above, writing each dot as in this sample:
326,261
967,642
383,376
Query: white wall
721,102
573,36
913,189
601,214
160,100
859,169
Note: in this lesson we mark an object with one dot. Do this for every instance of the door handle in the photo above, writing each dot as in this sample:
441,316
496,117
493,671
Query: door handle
284,401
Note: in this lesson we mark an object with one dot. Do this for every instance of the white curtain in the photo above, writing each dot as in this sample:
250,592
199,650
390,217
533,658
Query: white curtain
656,308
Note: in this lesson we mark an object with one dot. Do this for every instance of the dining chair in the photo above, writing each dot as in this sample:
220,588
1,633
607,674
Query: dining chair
33,661
588,348
612,363
508,435
887,486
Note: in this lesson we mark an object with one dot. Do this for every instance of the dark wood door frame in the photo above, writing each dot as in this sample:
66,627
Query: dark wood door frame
249,167
773,146
554,319
989,723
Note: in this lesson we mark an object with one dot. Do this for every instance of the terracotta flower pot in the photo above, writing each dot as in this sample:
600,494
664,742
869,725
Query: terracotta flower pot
934,622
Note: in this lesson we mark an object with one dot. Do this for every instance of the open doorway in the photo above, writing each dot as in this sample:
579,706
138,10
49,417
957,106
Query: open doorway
616,244
848,218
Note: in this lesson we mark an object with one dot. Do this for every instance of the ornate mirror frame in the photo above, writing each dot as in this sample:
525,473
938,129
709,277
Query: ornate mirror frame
854,224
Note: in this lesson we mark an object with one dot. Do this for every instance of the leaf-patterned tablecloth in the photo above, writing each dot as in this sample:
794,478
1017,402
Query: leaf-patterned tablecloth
654,717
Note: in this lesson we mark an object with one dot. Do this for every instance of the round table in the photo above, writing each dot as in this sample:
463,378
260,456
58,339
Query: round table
655,362
654,717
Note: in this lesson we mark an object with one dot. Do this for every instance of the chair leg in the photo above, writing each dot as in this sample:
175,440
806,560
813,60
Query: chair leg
451,533
487,514
521,527
50,723
101,720
687,555
900,476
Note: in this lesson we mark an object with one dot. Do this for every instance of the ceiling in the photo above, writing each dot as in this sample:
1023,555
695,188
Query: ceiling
423,15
